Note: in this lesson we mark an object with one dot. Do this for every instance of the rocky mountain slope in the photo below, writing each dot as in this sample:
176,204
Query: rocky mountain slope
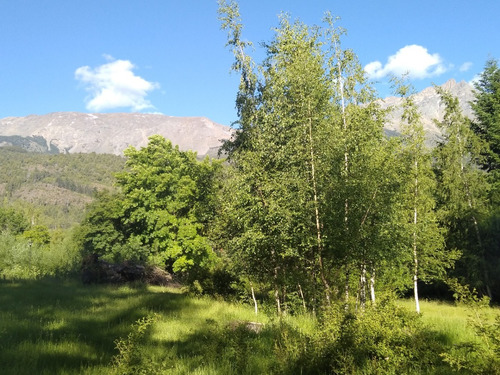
111,133
430,107
108,133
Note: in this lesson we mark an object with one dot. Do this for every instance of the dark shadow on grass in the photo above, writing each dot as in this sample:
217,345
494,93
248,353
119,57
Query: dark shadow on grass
50,324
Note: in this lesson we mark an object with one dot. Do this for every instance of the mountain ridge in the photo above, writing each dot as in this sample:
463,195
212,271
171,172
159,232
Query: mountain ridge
112,133
429,104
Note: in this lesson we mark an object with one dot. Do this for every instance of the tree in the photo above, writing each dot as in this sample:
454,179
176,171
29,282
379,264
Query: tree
310,145
486,125
275,159
102,231
161,215
422,233
166,193
463,190
12,221
354,170
38,234
486,107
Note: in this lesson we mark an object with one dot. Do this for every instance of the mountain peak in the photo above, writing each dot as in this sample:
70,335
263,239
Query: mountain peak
429,105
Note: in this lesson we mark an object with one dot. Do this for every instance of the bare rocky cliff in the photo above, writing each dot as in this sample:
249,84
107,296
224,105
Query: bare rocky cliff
109,133
430,107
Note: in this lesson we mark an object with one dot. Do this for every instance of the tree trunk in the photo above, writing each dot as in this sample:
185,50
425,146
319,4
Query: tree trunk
372,285
415,260
362,287
302,297
317,216
276,291
346,288
254,300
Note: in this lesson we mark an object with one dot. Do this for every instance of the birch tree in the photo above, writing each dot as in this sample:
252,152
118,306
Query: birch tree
355,166
275,158
463,189
424,237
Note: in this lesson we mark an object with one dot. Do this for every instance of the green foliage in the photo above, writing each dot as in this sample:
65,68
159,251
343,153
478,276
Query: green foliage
38,234
101,231
28,258
31,252
167,194
279,213
481,356
12,221
486,125
486,108
131,360
463,192
422,236
161,214
383,339
52,190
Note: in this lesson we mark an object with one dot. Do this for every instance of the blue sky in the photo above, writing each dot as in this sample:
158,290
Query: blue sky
164,56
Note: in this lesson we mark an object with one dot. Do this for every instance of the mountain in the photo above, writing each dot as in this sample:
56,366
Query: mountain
109,133
430,107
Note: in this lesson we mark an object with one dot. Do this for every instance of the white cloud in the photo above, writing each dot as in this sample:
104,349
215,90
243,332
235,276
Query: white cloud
114,85
465,66
413,59
475,79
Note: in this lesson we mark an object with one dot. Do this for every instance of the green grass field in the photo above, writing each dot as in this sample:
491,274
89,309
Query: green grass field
63,327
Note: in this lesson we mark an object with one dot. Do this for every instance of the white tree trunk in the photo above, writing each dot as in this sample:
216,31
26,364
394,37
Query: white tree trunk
372,285
415,254
362,287
302,297
254,300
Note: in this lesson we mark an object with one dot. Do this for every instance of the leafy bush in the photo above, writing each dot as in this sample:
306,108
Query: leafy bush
131,360
21,258
382,339
482,356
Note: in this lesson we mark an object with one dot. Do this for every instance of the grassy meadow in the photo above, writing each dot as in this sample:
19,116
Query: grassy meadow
62,327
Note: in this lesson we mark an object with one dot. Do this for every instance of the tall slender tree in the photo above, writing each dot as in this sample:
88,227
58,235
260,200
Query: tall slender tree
463,189
486,125
423,235
354,167
276,157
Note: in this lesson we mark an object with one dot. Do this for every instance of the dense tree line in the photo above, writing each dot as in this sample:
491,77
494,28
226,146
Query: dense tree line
321,204
314,203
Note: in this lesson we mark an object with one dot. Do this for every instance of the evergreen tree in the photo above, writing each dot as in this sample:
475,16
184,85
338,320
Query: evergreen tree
486,106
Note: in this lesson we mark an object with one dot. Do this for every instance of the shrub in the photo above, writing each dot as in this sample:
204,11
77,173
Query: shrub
382,339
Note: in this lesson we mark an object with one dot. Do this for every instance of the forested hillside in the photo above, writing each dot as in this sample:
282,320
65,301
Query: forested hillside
53,190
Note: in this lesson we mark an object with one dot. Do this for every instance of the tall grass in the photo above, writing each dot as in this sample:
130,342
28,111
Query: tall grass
61,327
55,326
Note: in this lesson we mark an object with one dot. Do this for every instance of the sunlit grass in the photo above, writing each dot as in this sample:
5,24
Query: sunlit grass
63,327
450,320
